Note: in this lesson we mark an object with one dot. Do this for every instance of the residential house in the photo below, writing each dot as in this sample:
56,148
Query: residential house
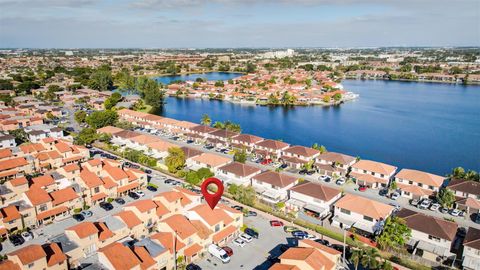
238,173
372,174
273,186
297,156
415,184
36,257
471,249
334,164
7,141
246,141
270,148
207,160
467,195
313,199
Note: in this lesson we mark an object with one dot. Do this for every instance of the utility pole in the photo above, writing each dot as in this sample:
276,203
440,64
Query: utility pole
175,250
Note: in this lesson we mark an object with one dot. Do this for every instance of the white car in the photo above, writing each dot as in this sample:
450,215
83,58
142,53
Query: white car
27,236
245,237
424,204
395,196
140,193
340,181
322,177
455,212
435,207
310,236
239,242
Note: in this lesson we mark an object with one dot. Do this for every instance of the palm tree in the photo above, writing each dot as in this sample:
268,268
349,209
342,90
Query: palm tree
357,256
387,265
206,120
370,258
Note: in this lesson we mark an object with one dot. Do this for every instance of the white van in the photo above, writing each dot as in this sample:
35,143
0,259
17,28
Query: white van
218,252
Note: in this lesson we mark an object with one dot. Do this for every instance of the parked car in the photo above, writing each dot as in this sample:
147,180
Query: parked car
273,259
322,241
133,195
283,166
383,192
27,236
340,181
219,253
396,207
78,217
434,206
16,240
250,214
239,242
87,213
190,141
152,188
276,223
245,237
455,212
394,196
192,266
476,219
168,181
120,201
289,229
148,171
238,207
228,250
106,206
251,232
444,210
362,188
323,178
299,234
424,204
266,161
414,202
303,172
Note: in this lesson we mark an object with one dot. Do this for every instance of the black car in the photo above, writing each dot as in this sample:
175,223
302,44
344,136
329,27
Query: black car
133,195
148,171
303,172
250,214
106,206
193,267
251,232
120,201
383,192
238,207
168,181
78,217
16,239
190,141
283,166
323,242
152,188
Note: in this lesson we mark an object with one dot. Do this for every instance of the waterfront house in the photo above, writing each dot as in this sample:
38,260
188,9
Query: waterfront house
270,148
207,160
431,237
415,184
190,152
237,173
122,138
273,186
467,195
313,199
223,135
297,156
203,131
471,249
334,164
362,213
246,141
372,173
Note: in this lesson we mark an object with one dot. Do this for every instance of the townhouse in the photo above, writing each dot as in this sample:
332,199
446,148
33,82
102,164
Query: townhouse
46,256
372,174
207,160
237,173
309,255
432,237
245,141
297,156
471,249
7,140
312,199
334,164
270,148
362,213
14,167
415,184
467,195
273,186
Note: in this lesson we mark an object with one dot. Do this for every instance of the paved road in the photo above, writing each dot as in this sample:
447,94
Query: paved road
347,188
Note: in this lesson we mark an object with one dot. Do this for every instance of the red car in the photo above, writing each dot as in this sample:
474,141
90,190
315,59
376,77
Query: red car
228,250
276,223
266,161
362,188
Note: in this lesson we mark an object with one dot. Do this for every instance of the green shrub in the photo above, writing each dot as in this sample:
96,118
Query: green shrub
110,200
77,210
152,185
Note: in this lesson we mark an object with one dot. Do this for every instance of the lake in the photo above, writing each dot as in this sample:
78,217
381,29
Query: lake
210,76
426,126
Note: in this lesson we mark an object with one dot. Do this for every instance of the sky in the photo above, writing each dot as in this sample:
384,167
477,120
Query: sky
237,23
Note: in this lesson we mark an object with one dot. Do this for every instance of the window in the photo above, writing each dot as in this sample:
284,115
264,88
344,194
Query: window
43,207
30,265
345,211
382,175
410,182
368,218
217,227
431,187
431,237
97,189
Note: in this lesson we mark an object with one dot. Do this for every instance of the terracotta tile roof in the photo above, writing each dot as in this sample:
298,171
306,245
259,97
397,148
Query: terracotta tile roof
84,229
43,181
12,163
143,205
9,265
313,244
311,256
192,250
90,179
52,212
146,260
203,129
368,178
170,196
374,166
240,169
316,190
160,145
470,187
108,183
71,167
161,209
104,232
213,160
115,172
336,157
279,266
19,181
63,195
95,162
166,239
247,138
120,256
4,153
109,130
273,144
37,196
441,228
414,189
302,151
128,187
223,134
191,152
420,177
10,213
33,147
131,176
472,239
29,254
276,179
219,236
181,225
48,155
202,230
98,196
129,218
212,217
54,254
62,147
126,134
364,206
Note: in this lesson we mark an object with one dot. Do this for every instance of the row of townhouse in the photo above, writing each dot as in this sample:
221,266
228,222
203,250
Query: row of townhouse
146,234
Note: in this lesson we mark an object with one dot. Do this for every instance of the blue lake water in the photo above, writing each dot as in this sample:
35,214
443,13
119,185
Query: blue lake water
427,126
211,76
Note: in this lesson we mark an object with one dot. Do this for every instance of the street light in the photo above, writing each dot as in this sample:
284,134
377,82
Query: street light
175,250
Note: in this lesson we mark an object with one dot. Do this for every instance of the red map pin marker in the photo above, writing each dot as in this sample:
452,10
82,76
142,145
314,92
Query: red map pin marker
212,199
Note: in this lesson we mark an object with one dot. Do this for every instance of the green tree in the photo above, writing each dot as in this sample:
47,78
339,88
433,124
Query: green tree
337,97
458,172
326,99
152,94
192,178
357,256
101,119
86,136
219,84
393,185
101,79
206,120
20,135
204,173
240,156
126,82
446,197
219,125
175,160
80,116
370,258
320,148
111,101
250,67
387,265
54,88
395,234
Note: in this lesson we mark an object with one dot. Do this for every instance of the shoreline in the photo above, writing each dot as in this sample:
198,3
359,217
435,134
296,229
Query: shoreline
193,72
414,81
